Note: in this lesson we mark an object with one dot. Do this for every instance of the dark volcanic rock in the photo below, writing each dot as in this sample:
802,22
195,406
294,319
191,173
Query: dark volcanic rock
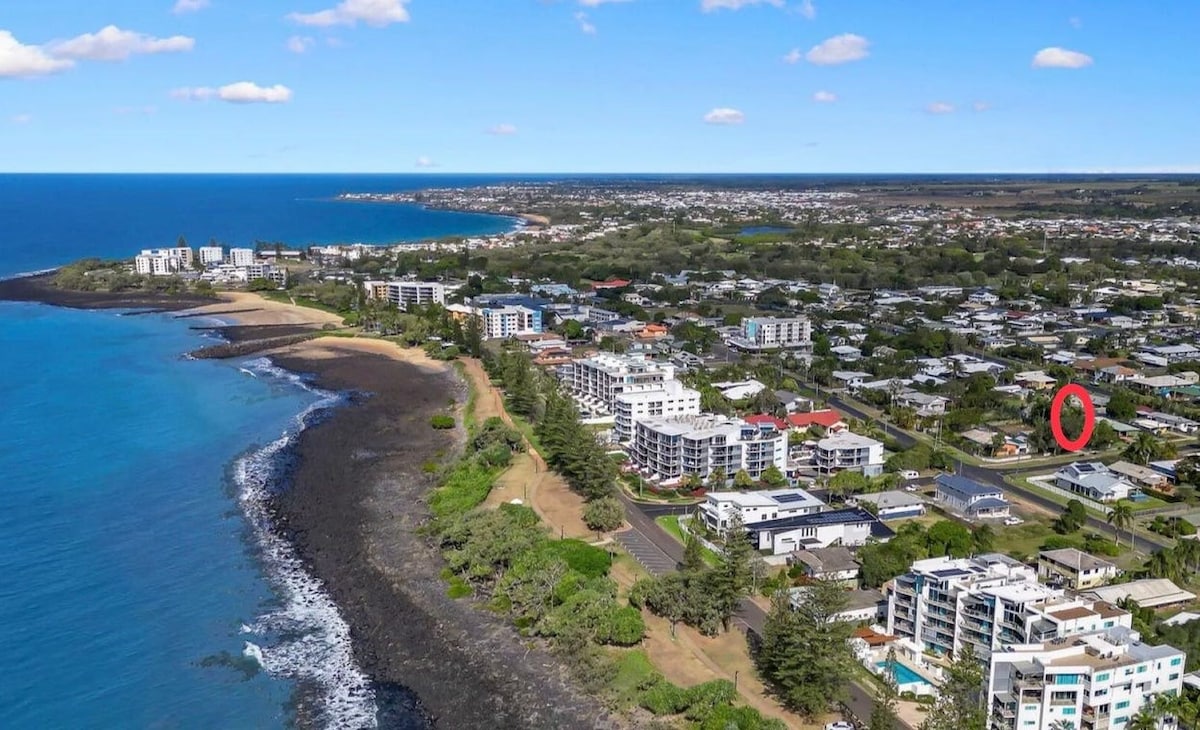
354,509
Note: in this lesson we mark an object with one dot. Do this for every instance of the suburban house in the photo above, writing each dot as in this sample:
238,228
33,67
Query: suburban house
1035,380
970,498
849,379
862,606
852,526
832,563
893,505
755,507
1141,476
1076,569
1095,481
1148,592
828,419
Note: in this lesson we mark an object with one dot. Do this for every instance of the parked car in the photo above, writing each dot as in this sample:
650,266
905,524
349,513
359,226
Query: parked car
840,725
1010,521
910,474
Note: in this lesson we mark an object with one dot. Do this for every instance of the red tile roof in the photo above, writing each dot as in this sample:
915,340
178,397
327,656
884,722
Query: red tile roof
826,419
611,284
761,418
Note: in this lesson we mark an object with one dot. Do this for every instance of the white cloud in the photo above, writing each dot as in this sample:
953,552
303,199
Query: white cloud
21,118
981,106
842,48
724,115
585,25
793,56
113,44
299,43
807,9
1055,57
424,162
18,60
503,130
824,97
188,6
350,12
710,5
940,107
242,92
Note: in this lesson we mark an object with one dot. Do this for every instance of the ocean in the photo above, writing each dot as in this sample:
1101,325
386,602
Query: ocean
142,587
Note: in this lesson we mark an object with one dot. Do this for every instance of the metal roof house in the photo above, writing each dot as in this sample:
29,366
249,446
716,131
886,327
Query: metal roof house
972,499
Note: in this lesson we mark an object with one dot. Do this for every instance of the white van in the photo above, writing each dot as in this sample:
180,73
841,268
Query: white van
909,474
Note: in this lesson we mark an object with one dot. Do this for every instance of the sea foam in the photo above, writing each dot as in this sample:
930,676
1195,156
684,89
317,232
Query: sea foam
305,639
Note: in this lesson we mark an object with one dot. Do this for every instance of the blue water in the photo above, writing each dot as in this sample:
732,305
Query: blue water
903,674
755,230
137,588
48,220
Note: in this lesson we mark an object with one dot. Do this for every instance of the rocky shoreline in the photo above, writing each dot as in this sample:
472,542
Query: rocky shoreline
354,510
40,288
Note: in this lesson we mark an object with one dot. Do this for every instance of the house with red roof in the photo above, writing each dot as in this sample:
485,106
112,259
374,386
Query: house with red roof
828,419
611,284
763,419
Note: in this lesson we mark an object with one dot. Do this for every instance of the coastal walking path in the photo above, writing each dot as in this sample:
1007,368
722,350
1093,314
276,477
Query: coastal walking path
528,479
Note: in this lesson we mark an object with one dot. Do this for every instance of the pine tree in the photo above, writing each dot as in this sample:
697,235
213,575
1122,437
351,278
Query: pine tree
883,711
731,579
960,699
804,654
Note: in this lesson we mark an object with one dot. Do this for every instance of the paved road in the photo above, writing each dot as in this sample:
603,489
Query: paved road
652,558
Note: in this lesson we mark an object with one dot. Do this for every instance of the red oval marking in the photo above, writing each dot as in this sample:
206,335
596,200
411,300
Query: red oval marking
1089,417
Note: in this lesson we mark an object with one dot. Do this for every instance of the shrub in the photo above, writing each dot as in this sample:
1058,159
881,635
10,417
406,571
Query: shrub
604,514
591,561
702,699
622,627
741,718
664,698
458,588
442,421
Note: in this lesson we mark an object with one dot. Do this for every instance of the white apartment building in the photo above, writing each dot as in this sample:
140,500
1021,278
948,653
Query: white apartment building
988,601
211,255
719,507
505,322
405,294
669,448
847,450
1097,681
666,400
771,332
240,257
603,377
163,261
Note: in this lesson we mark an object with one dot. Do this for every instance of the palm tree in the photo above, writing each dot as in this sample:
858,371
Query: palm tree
1121,518
1165,564
1144,720
1142,449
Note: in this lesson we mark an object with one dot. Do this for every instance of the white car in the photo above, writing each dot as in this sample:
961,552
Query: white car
1010,521
840,725
910,474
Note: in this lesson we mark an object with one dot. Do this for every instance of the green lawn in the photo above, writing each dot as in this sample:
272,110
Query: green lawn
670,523
633,671
1024,539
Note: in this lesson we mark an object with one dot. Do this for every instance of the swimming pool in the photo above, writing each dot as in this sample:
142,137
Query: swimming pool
903,674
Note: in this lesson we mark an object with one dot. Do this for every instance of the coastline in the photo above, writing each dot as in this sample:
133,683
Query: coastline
354,511
39,287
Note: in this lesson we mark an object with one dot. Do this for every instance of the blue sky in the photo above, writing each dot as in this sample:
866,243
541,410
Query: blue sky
599,85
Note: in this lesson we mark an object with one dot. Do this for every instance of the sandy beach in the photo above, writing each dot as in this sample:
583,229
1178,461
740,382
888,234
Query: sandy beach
250,309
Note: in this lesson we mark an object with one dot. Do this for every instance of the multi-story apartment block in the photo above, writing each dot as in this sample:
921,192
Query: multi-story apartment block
669,448
666,400
504,322
772,332
719,507
163,261
211,255
989,601
1096,681
605,376
405,294
240,257
847,450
